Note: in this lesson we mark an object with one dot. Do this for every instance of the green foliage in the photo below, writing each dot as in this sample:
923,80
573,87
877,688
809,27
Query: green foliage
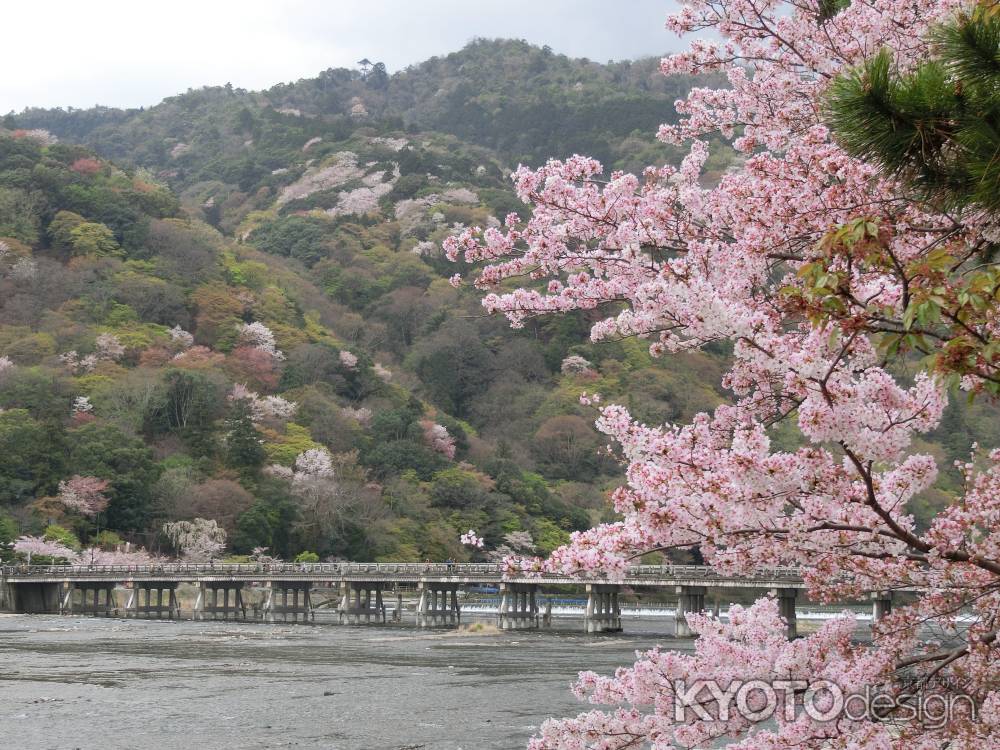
19,215
8,533
104,451
938,126
60,534
283,448
244,447
456,488
108,540
295,237
307,557
455,367
267,523
396,456
32,457
191,403
91,238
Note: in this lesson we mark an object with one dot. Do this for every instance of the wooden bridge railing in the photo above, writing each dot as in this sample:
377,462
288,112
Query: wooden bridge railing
389,571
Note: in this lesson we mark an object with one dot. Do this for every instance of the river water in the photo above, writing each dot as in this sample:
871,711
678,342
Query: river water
103,684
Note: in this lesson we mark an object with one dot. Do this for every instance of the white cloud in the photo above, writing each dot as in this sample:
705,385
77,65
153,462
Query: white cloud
132,52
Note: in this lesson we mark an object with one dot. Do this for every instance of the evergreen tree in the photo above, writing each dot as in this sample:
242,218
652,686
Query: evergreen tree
936,126
244,445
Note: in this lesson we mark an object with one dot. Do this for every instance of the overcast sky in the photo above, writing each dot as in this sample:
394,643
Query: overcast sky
128,53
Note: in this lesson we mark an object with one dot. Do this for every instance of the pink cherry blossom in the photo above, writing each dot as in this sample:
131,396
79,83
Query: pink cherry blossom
30,546
471,539
259,336
84,494
437,438
348,360
685,262
109,347
199,540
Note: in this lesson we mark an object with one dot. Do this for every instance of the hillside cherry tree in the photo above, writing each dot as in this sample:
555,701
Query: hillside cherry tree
84,494
815,270
198,540
31,546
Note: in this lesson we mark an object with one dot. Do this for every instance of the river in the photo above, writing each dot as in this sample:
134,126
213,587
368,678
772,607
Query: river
103,684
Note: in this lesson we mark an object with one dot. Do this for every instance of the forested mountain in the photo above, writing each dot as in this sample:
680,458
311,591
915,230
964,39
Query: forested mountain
234,306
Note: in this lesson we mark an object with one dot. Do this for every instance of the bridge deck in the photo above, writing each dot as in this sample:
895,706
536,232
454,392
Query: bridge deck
464,573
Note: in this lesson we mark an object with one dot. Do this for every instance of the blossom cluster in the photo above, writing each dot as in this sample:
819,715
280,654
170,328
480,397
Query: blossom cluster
199,540
471,539
84,494
437,438
107,347
258,336
266,408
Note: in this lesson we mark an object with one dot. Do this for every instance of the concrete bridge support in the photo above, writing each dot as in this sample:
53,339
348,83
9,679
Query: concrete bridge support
438,605
786,606
518,606
289,601
362,602
882,605
689,599
85,598
603,614
34,598
220,600
147,601
397,613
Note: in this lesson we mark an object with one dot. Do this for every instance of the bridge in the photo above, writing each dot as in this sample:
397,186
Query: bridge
292,592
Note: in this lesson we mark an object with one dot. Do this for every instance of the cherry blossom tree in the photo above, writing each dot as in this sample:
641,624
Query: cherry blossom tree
514,543
268,408
818,270
82,405
84,494
471,539
259,336
362,415
437,438
332,493
132,557
348,360
180,337
76,364
109,347
199,540
31,546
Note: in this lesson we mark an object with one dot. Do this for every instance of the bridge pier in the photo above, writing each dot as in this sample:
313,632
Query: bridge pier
359,602
433,609
881,606
603,614
211,606
397,614
689,599
786,606
289,601
147,600
89,602
35,598
518,606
